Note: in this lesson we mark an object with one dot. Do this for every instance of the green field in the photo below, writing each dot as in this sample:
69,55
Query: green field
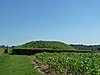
65,63
49,58
17,65
72,63
2,50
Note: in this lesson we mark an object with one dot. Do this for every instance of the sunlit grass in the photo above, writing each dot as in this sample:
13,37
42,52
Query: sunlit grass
17,65
2,50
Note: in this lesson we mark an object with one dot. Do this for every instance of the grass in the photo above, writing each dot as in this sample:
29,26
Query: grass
17,65
2,50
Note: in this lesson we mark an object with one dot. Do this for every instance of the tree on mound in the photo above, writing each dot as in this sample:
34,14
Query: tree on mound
47,45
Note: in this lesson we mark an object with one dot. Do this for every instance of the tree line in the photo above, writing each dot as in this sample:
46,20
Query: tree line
86,47
4,46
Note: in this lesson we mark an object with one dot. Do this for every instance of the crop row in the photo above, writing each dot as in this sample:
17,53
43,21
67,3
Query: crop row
72,63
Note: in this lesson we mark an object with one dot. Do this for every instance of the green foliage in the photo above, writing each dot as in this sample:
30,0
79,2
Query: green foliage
17,65
72,63
46,44
31,51
86,47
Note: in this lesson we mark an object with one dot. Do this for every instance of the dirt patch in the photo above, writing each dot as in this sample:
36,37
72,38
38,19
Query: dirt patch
42,67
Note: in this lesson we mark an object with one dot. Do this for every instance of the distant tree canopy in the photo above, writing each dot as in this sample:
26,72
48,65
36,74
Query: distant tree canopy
2,46
46,44
14,46
86,47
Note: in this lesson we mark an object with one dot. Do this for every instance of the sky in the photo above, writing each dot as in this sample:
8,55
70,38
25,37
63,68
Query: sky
69,21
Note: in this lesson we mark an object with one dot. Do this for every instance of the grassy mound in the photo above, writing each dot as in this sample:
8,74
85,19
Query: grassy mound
46,45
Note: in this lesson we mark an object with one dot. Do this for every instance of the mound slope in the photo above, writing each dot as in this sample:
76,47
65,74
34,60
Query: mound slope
47,45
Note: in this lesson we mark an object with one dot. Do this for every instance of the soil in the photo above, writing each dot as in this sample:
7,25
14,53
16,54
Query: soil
42,67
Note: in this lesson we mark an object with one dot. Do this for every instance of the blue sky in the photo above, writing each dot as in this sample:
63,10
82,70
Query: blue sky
70,21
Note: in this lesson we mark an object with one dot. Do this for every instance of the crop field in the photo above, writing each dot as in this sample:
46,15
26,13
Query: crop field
72,63
17,65
65,63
